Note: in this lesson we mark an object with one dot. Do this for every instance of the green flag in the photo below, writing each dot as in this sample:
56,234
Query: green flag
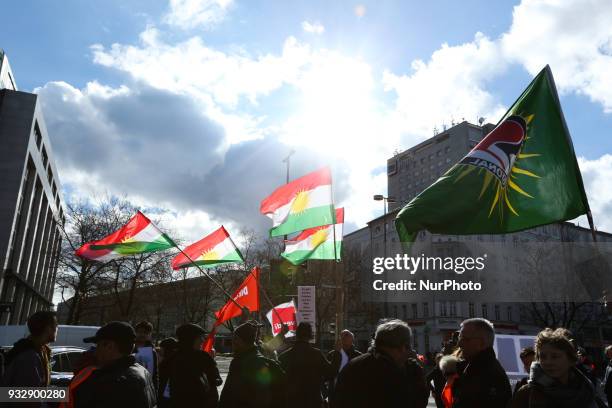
521,175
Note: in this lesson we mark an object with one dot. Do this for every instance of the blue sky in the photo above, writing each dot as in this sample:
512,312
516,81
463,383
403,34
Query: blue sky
252,80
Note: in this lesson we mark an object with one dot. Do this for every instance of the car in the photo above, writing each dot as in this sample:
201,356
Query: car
63,360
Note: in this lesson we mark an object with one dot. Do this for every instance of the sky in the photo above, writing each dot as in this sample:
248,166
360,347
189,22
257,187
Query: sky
188,107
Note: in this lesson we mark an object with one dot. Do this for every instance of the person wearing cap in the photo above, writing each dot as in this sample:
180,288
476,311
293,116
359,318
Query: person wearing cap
118,380
253,381
306,369
146,355
194,376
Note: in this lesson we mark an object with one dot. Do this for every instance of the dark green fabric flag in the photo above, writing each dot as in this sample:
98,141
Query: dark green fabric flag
521,175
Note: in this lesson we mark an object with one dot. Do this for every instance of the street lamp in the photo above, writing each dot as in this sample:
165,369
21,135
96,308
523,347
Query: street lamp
385,200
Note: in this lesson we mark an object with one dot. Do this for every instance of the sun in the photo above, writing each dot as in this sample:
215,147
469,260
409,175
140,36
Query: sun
503,191
319,237
210,255
300,202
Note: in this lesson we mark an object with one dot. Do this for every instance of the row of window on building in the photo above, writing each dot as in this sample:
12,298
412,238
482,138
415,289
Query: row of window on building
449,309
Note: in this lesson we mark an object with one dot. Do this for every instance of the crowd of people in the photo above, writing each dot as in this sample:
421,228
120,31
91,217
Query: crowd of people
123,368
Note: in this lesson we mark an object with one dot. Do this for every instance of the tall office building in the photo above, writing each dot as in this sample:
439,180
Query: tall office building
415,169
30,204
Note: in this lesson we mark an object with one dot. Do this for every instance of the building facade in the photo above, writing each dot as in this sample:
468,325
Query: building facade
31,212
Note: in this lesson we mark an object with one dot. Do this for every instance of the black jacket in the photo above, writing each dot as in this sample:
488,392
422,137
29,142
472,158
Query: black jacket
27,366
306,370
374,380
253,381
437,377
607,382
193,379
482,383
123,383
335,358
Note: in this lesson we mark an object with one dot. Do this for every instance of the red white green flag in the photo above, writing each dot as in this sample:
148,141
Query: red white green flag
304,203
138,236
214,249
316,243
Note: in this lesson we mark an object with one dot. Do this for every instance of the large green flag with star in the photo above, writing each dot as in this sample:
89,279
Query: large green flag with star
521,175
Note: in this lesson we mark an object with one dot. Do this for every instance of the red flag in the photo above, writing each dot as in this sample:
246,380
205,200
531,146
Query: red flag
247,295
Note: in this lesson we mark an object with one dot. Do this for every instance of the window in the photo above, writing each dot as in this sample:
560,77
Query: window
453,308
447,149
37,135
404,312
395,311
415,341
439,153
414,311
443,310
45,158
471,310
497,313
425,309
426,341
484,310
509,313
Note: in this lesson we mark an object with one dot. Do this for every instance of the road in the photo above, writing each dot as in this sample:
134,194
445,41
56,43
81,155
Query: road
223,364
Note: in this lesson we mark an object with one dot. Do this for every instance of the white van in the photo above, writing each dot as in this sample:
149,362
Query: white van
68,336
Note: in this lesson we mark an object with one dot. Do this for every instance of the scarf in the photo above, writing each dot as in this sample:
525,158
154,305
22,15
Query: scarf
577,393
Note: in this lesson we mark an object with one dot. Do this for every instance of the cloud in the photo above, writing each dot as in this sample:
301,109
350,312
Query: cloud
194,68
450,85
313,28
188,14
596,175
574,37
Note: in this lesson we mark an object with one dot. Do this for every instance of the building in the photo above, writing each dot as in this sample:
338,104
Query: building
435,319
411,171
31,212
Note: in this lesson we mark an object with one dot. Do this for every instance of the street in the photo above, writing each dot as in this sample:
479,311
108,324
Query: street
224,362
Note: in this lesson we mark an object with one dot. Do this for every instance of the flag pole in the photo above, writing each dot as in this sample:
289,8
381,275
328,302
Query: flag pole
208,276
261,288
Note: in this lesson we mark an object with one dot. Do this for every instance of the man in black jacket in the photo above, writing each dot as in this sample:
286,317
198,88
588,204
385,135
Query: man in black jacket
386,376
306,370
193,373
118,381
253,381
482,381
345,351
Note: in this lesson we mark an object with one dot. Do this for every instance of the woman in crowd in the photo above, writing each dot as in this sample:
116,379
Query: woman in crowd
554,380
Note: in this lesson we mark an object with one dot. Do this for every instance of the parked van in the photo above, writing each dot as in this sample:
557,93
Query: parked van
68,336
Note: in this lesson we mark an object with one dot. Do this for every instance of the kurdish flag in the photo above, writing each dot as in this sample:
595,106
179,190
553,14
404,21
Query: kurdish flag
214,249
304,203
521,175
316,243
138,236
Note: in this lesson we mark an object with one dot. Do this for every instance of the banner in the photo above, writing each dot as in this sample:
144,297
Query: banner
283,314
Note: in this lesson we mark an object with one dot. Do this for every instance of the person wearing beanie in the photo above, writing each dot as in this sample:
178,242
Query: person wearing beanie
194,376
307,369
253,381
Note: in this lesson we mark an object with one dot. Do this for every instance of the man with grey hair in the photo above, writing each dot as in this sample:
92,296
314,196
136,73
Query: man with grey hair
344,352
482,381
385,376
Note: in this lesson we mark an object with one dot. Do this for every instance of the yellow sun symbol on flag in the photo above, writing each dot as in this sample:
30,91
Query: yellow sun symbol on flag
319,237
127,240
501,199
210,255
300,202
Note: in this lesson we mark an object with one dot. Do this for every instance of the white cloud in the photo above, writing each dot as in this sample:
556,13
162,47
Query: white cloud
573,36
188,14
451,85
313,28
596,175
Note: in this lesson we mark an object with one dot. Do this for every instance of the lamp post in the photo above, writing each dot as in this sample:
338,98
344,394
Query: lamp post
385,200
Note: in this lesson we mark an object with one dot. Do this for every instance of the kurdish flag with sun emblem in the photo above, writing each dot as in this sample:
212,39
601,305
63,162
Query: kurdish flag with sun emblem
214,249
138,236
304,203
316,243
521,175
